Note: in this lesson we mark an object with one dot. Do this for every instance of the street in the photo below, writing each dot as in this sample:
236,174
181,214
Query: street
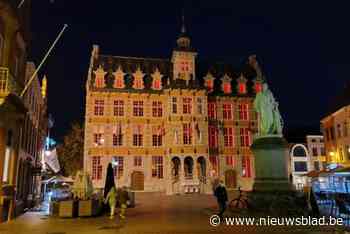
154,213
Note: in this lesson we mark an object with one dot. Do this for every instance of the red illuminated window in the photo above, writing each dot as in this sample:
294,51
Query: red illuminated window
211,110
228,137
99,81
245,137
230,161
187,133
138,83
119,83
99,107
157,109
258,87
210,84
138,108
156,84
96,168
119,166
227,111
227,88
246,168
243,111
157,167
213,137
118,108
242,89
187,105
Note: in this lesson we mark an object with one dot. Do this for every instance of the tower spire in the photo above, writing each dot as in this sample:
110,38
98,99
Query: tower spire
183,28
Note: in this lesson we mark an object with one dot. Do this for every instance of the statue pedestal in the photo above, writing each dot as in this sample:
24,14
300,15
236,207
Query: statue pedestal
272,191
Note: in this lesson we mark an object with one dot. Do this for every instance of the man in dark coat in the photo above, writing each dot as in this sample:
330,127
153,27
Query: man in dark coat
221,195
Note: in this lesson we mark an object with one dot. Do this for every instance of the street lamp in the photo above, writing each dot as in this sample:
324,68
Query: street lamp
331,153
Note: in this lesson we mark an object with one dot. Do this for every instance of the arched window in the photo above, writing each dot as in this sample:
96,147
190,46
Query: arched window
299,151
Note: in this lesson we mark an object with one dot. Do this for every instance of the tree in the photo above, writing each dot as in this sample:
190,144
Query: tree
71,151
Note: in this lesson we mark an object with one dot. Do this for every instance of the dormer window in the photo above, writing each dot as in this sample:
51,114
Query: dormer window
100,77
119,79
209,82
157,80
258,87
242,85
227,88
226,84
138,79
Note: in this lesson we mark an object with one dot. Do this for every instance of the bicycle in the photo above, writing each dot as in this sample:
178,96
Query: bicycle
241,202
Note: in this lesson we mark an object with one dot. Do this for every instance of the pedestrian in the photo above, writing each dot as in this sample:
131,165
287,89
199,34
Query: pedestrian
221,196
123,198
111,198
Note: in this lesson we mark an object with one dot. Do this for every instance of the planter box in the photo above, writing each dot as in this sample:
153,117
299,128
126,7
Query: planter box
68,209
89,208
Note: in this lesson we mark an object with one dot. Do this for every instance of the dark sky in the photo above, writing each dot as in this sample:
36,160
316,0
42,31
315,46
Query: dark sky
303,47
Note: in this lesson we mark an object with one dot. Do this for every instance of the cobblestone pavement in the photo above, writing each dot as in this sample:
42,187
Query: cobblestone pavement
154,214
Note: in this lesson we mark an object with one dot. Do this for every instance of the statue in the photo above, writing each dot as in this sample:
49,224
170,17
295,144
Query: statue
269,115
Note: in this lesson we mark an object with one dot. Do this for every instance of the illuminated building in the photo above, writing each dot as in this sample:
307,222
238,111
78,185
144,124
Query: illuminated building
170,125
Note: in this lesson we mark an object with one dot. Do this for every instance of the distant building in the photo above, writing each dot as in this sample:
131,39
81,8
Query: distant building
336,132
305,157
172,124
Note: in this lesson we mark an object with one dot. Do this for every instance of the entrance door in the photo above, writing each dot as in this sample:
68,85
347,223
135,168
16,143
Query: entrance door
137,181
230,178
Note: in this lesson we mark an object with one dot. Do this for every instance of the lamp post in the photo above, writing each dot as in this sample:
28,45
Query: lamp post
115,164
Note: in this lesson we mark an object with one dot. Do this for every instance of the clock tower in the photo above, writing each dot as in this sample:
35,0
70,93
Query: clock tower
183,57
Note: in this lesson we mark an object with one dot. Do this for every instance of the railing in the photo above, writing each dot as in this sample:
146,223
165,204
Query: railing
7,83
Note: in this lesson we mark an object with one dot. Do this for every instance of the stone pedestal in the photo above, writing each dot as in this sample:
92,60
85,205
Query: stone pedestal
273,193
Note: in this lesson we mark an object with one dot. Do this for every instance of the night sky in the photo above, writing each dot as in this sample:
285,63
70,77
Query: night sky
302,47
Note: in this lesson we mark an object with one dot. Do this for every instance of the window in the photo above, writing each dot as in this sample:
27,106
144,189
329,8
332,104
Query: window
213,137
187,133
227,111
157,135
300,166
118,108
118,136
214,162
299,152
338,131
157,84
210,84
157,167
314,151
138,108
316,165
229,161
187,105
227,88
118,166
246,168
243,111
211,110
137,161
228,137
99,80
323,152
157,109
174,105
138,136
96,168
200,106
138,83
99,107
245,137
98,139
258,87
242,89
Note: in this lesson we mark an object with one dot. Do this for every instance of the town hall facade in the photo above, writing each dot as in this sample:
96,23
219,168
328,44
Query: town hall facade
170,125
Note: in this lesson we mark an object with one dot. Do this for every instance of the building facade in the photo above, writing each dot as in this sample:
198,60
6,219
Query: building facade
170,125
335,128
306,157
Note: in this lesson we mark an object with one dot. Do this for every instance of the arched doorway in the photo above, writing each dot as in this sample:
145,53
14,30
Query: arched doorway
137,181
230,178
188,167
175,168
202,169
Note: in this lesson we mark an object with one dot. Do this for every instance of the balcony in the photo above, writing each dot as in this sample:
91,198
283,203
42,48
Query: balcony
8,85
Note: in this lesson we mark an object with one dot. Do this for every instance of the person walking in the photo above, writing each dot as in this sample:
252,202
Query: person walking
123,198
221,196
111,198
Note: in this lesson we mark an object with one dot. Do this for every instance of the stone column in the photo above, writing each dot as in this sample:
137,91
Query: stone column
181,174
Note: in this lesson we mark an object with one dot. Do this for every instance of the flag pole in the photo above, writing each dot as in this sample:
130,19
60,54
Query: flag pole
43,61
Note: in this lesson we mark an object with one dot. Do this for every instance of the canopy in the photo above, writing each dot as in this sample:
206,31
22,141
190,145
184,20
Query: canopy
58,179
